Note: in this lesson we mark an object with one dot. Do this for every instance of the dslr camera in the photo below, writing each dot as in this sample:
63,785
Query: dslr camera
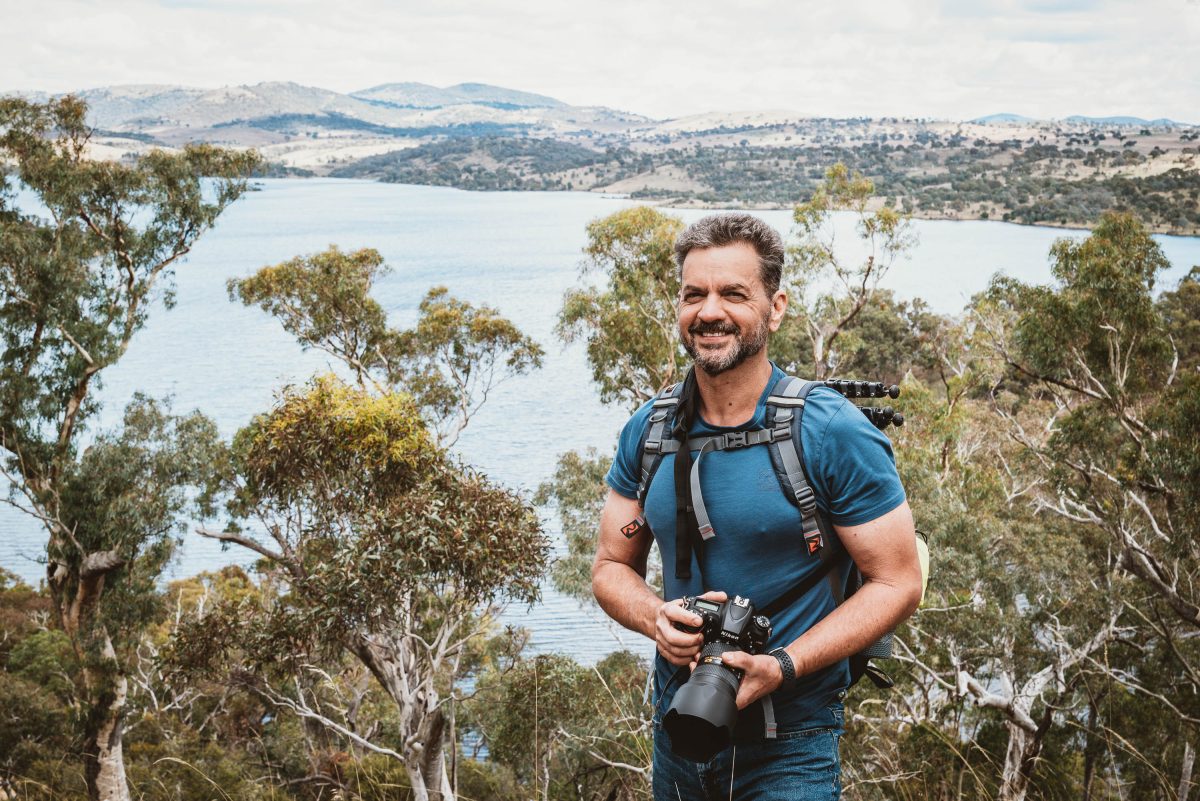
702,716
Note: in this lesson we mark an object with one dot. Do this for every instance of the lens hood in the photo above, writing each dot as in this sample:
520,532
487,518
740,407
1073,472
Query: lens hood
702,715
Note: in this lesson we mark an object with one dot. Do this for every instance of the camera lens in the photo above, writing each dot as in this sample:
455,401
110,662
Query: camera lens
702,716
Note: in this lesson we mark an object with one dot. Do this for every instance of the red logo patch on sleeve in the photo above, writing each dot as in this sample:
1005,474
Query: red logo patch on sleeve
633,527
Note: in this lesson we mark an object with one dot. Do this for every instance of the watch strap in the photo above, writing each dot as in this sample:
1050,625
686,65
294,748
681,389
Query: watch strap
786,665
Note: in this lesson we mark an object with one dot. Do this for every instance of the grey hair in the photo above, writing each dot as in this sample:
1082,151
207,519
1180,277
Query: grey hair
716,230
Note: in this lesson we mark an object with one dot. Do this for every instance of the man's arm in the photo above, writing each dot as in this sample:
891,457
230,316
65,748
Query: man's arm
619,584
886,553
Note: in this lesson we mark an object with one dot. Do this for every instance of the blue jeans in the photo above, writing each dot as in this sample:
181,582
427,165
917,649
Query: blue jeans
798,765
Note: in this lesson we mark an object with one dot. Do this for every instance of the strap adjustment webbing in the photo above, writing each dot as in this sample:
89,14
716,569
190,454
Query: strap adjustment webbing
729,441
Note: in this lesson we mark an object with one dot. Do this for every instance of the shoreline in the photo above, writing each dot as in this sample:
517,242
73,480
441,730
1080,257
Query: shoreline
674,203
665,203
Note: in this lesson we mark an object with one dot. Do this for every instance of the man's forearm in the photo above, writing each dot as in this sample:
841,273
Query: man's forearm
625,597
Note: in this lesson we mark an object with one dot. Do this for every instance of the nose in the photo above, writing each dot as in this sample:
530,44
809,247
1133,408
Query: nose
712,308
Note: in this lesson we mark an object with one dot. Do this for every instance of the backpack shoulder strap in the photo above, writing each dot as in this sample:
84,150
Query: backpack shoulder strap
785,411
656,439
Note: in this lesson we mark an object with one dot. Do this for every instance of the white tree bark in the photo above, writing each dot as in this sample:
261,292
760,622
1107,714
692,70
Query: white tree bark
1185,774
106,774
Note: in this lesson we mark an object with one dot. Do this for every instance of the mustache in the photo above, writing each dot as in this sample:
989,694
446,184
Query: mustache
712,328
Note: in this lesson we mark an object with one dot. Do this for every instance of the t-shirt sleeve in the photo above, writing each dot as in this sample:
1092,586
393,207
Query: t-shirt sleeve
853,470
625,472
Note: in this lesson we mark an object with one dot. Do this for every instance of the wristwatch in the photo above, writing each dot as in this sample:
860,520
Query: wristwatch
786,665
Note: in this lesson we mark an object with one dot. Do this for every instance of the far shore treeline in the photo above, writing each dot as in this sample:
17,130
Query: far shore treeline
1049,450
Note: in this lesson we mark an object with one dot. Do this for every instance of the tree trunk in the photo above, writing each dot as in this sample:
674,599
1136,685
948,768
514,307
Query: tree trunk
433,758
419,712
1024,747
416,780
105,685
1185,773
1091,752
104,759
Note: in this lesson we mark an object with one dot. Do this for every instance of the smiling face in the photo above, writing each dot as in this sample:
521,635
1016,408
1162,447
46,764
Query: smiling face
725,314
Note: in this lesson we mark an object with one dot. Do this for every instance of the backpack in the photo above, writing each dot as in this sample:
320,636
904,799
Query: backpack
784,413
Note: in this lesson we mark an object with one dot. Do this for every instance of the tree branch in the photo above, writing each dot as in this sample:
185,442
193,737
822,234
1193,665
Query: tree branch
245,542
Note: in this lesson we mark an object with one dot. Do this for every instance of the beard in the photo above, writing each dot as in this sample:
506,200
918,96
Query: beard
743,347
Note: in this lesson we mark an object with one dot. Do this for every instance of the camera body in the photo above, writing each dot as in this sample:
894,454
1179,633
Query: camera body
732,622
703,714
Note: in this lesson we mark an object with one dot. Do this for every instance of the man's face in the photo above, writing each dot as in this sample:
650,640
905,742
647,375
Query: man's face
725,314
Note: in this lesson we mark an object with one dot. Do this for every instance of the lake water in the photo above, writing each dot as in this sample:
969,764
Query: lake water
518,252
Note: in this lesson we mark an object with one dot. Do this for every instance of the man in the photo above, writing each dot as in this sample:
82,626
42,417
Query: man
729,304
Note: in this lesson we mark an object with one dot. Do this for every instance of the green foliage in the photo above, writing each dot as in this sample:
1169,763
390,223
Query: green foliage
1181,316
454,357
470,163
1104,299
578,491
323,300
1108,352
922,169
449,362
336,445
566,729
45,658
628,321
128,493
373,521
20,604
33,726
808,342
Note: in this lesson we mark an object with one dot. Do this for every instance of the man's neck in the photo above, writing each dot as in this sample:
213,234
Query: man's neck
729,399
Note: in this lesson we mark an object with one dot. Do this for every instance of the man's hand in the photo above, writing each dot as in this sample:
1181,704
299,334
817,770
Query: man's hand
762,675
680,647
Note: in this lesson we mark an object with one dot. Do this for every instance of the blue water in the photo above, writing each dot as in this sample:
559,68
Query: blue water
518,252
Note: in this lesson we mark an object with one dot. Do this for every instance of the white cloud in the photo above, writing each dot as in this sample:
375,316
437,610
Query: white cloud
878,57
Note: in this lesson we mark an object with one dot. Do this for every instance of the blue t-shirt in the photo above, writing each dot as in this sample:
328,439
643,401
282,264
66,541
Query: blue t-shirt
758,551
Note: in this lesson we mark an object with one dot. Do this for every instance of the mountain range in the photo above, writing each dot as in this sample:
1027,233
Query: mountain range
1076,119
394,107
389,108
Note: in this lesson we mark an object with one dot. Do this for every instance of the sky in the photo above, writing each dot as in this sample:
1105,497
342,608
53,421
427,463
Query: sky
953,59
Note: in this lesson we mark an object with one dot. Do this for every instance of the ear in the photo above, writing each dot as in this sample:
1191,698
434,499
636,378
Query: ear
778,309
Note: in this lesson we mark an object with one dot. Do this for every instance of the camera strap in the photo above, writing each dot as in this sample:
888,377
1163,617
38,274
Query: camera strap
831,556
687,531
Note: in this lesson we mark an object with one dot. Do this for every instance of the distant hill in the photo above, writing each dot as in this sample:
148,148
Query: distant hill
146,106
182,113
420,95
1077,119
1161,121
1002,117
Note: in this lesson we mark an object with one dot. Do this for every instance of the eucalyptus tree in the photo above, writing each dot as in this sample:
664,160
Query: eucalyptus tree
568,731
1102,392
1117,370
450,361
392,553
1018,614
821,318
87,250
627,321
